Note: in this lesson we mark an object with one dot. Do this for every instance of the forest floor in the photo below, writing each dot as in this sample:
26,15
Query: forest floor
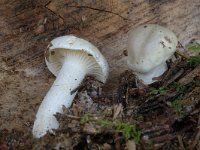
163,115
124,113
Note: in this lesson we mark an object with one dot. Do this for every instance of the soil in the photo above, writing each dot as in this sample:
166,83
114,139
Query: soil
27,27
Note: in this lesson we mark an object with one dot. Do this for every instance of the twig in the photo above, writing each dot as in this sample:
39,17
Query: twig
97,9
195,111
196,140
117,142
173,78
130,144
169,73
180,53
58,15
156,131
180,140
71,117
163,138
80,87
127,95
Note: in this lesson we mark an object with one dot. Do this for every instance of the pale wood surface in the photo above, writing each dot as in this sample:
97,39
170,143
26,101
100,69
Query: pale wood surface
27,26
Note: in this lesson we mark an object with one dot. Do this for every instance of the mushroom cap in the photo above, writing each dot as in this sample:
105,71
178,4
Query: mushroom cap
149,46
54,55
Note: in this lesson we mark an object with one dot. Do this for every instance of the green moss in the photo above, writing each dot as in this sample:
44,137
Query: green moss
128,130
193,47
193,61
177,107
161,90
179,88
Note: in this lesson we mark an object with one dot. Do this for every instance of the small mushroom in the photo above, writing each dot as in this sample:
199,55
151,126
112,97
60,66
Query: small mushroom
149,46
70,59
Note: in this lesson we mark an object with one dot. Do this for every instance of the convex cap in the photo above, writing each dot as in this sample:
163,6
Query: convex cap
149,46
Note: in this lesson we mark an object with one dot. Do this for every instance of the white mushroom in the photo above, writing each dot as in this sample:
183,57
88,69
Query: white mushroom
70,59
149,46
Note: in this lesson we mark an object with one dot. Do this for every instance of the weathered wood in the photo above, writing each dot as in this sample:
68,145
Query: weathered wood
27,26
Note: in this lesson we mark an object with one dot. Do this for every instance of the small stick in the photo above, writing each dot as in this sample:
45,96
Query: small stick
127,94
182,55
180,140
177,75
72,117
197,135
117,142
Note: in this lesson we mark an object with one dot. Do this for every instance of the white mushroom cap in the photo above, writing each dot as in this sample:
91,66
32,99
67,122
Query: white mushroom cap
61,45
149,46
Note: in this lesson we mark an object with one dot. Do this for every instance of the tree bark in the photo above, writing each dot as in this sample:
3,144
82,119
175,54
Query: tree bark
27,26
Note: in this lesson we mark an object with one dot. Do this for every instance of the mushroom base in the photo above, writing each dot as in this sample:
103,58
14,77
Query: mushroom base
156,72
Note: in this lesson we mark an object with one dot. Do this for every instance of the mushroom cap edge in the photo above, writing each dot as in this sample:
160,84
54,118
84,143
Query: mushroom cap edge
70,42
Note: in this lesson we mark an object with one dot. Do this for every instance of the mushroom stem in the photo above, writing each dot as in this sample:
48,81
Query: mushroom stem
156,72
70,76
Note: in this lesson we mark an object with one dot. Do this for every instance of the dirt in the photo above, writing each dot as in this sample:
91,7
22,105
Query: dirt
161,125
27,27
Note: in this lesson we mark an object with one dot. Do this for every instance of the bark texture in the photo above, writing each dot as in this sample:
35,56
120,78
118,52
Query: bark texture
27,26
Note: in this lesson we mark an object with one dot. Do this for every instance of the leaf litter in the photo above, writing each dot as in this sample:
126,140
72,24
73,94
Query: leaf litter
163,115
